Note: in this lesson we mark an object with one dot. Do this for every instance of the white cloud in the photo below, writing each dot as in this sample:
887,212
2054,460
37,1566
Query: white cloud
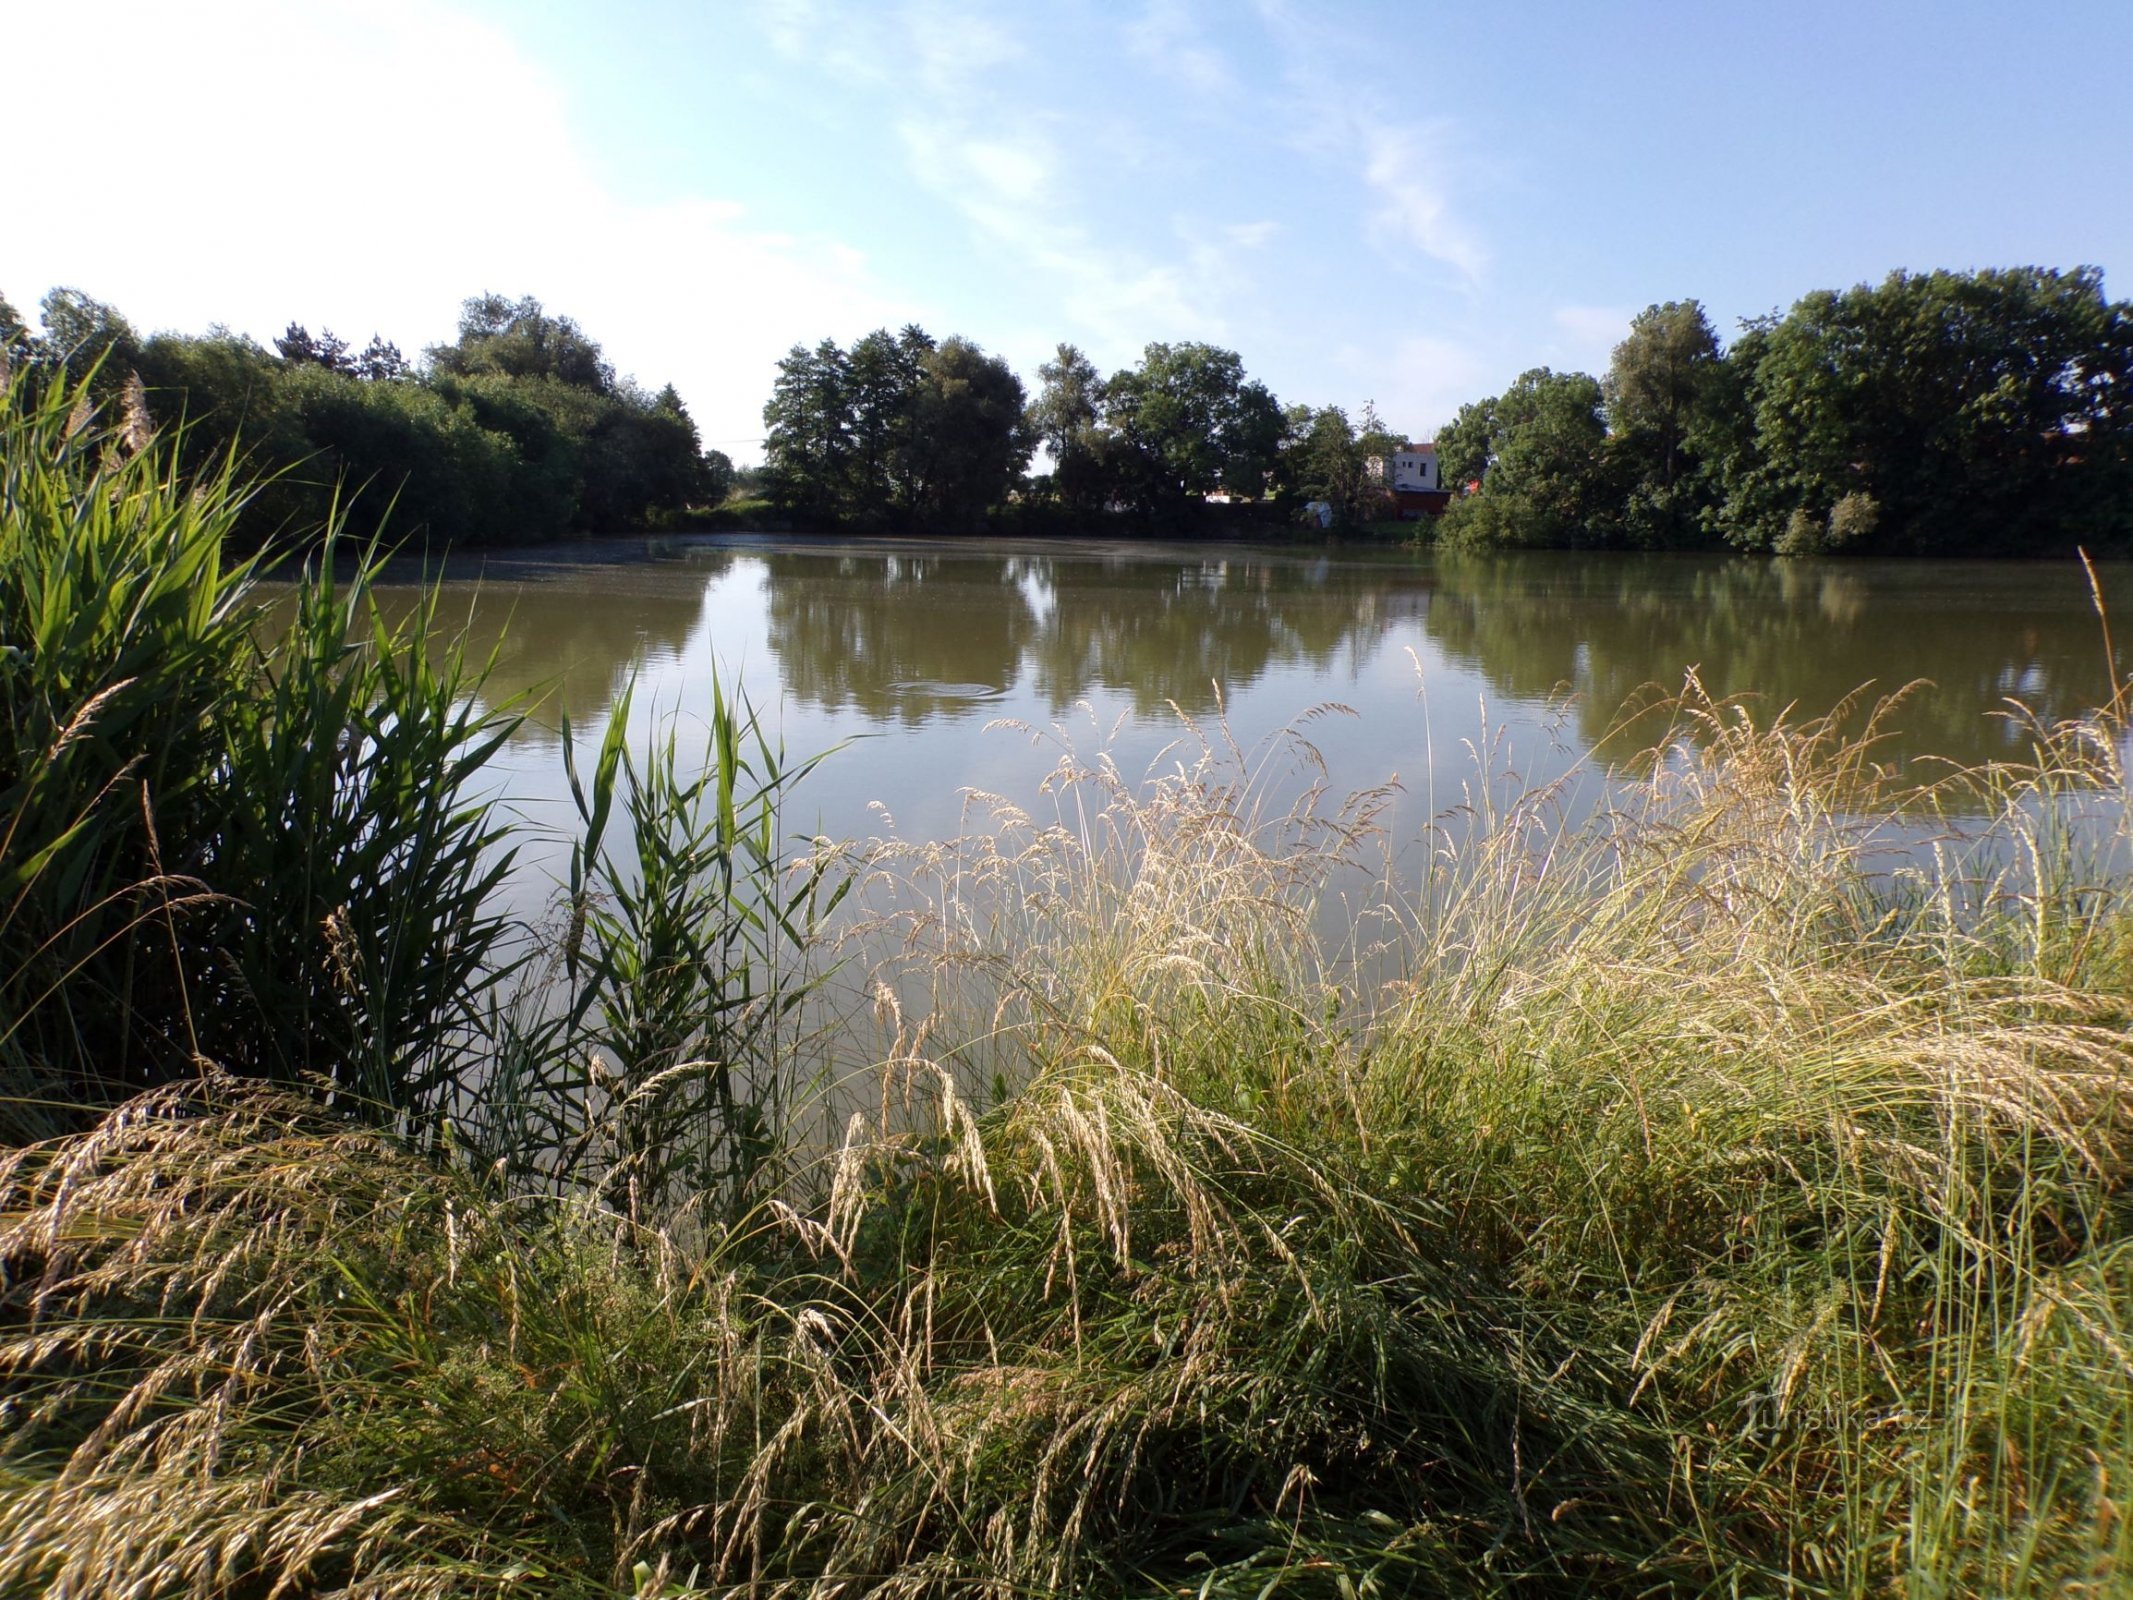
843,43
1410,170
379,217
1013,171
1405,165
1168,41
957,47
1016,171
1010,187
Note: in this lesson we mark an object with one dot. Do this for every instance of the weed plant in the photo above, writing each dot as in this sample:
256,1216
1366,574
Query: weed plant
1712,1204
231,837
250,831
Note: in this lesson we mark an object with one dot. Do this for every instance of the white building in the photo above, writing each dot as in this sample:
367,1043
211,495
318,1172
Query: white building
1414,468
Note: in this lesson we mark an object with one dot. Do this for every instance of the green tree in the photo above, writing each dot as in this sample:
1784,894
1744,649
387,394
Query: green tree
1660,385
227,393
968,436
518,432
82,333
1673,414
1326,465
1956,413
381,361
519,339
1066,417
18,346
884,465
807,440
1190,421
718,477
641,456
1463,447
1342,463
896,432
328,350
1547,481
420,453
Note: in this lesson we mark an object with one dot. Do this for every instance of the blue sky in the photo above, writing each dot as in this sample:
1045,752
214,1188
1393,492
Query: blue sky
1406,203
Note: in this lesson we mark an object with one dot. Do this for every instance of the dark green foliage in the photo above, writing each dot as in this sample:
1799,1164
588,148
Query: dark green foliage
380,361
328,350
235,835
417,452
1982,412
17,344
718,480
897,432
1329,458
1065,418
1154,440
968,441
1547,476
1669,399
807,453
519,339
89,337
520,432
1187,421
1463,446
1943,413
641,455
222,392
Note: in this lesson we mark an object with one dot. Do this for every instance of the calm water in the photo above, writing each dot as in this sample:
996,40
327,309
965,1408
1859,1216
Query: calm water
912,656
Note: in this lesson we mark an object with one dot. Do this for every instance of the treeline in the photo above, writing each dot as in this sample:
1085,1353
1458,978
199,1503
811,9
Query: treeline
1946,413
903,432
519,429
1980,413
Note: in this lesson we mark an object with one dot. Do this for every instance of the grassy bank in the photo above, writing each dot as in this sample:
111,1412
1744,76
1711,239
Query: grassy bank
1708,1204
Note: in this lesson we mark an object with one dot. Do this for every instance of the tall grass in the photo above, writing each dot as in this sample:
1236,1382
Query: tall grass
1715,1201
650,1049
253,831
233,837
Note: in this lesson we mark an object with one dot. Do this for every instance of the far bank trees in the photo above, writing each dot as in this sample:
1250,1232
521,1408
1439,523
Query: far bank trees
1157,438
897,432
1940,413
1326,457
518,429
1957,413
1187,422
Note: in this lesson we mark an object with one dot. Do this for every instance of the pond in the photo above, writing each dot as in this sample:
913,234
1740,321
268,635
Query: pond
941,669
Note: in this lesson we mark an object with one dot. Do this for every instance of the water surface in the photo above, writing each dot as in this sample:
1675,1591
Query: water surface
943,668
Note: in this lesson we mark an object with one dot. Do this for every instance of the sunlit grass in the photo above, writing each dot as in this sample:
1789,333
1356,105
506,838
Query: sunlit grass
1701,1197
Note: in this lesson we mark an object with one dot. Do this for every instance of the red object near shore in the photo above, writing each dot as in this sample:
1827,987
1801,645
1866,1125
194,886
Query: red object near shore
1422,502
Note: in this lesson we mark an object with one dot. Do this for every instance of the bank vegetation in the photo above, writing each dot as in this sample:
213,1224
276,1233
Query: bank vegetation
1978,413
1702,1198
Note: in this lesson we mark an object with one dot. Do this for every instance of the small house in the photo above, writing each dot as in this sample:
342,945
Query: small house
1413,480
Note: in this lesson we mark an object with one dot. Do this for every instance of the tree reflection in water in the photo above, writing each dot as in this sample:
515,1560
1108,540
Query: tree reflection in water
1792,633
906,638
565,635
916,636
